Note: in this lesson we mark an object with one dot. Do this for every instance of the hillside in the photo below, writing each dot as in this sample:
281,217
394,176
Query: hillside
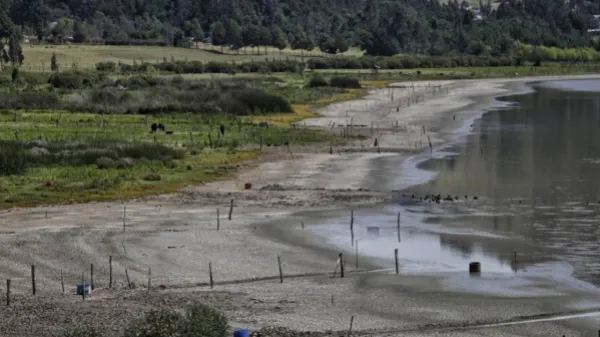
379,27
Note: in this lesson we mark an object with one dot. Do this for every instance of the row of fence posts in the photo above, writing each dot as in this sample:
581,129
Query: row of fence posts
340,263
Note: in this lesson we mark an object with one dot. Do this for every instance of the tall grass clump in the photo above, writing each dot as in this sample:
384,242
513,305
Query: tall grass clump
12,158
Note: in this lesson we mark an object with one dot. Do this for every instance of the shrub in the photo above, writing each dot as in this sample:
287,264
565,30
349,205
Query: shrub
199,320
12,158
75,79
344,82
317,81
105,163
158,323
106,66
152,177
202,320
125,163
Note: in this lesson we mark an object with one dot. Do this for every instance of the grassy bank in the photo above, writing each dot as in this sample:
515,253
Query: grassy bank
72,157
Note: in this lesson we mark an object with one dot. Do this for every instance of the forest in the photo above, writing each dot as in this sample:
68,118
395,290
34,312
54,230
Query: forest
378,27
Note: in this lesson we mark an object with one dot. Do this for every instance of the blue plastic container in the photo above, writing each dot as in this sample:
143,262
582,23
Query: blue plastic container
80,289
241,333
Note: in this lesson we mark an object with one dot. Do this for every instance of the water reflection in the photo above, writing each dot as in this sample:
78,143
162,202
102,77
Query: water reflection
535,168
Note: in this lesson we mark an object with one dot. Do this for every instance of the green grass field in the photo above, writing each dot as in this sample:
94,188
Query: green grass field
37,57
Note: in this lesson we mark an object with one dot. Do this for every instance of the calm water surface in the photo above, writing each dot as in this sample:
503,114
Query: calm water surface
533,165
535,169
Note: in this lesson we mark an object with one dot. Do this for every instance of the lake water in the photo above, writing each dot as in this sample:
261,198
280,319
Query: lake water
534,168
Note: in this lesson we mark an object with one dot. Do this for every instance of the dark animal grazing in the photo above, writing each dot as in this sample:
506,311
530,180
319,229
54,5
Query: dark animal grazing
169,132
153,127
161,127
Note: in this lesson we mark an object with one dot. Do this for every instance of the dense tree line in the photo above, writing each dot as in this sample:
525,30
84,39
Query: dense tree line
380,27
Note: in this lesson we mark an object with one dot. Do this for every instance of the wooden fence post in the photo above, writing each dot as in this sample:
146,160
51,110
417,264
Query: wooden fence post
124,215
62,282
230,210
7,292
396,259
92,276
128,282
351,322
110,280
218,220
341,256
83,286
280,270
210,275
149,279
33,279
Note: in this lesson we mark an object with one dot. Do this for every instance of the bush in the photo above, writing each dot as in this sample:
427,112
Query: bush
344,82
105,163
202,320
152,177
317,81
199,320
75,79
106,66
12,158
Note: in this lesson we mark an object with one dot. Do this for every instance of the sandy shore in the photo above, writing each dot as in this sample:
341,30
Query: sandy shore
175,236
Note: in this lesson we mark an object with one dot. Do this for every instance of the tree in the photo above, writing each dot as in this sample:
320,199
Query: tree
79,35
10,42
301,41
264,37
234,35
340,44
251,36
54,63
278,38
219,35
193,29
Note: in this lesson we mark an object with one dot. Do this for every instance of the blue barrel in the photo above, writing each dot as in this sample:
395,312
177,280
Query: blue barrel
80,289
241,333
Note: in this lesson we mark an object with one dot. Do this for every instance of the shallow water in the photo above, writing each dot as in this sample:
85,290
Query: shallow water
534,166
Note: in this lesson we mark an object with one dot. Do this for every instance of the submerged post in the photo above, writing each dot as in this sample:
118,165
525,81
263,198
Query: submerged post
396,259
